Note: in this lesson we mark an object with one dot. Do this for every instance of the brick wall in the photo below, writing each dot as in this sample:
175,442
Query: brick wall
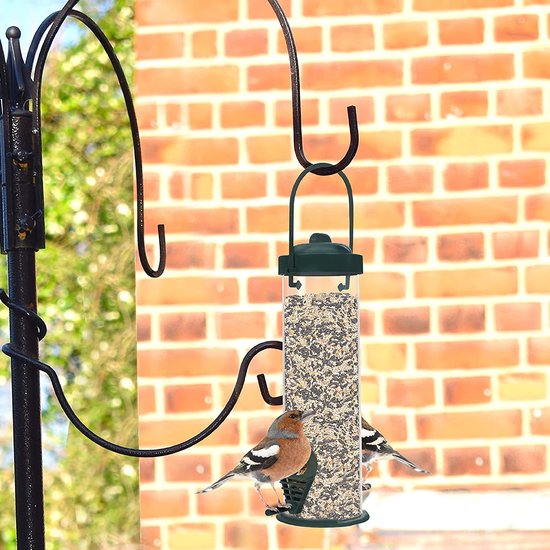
452,219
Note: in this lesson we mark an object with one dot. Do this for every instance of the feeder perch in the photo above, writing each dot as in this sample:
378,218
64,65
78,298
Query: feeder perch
321,368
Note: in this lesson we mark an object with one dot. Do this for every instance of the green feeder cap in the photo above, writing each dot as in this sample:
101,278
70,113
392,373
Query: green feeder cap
321,257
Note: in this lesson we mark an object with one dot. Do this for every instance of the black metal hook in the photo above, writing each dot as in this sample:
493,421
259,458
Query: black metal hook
53,23
297,105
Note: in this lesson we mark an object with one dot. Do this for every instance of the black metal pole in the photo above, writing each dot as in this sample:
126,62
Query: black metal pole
22,236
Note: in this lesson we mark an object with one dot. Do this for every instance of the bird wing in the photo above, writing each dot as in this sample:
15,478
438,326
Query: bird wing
260,457
373,441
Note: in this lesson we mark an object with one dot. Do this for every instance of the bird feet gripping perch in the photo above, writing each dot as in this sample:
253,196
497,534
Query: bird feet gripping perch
283,451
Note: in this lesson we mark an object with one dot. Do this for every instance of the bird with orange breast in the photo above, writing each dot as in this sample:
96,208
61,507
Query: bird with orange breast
283,452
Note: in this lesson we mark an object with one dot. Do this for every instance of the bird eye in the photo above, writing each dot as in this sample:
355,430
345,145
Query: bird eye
293,415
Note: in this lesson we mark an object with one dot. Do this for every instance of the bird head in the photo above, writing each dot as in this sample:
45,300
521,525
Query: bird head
290,424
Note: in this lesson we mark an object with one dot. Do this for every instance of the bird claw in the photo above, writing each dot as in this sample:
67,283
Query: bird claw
366,487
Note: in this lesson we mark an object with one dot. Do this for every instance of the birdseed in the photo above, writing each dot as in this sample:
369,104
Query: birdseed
321,373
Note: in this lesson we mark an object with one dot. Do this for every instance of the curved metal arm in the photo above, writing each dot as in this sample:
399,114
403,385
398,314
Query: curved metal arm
110,446
297,105
54,22
264,390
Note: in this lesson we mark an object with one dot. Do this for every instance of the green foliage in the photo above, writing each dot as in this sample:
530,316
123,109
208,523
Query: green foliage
86,294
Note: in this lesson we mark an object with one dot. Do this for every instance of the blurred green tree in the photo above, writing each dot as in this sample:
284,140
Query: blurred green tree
86,293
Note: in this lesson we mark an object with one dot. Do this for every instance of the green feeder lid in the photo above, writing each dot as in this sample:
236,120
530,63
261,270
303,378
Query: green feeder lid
321,257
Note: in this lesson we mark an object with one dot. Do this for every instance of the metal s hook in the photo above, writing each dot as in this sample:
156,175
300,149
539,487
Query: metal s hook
297,105
53,23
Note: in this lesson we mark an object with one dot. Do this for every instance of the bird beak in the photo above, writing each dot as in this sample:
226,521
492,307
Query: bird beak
307,415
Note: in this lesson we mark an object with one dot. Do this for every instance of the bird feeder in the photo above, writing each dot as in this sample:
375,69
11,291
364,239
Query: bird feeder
321,367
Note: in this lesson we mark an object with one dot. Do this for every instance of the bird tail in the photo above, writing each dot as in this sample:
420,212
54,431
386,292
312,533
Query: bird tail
218,483
400,458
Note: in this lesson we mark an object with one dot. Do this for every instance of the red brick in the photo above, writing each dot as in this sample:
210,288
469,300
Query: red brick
539,351
540,421
307,40
460,247
182,151
150,536
351,38
290,537
527,459
449,5
232,503
522,386
466,425
466,282
189,254
187,467
408,34
339,112
536,137
466,391
410,179
151,186
310,113
467,354
365,247
410,392
159,45
199,536
189,398
370,391
465,176
538,279
268,77
202,186
163,503
464,104
522,173
262,10
405,249
250,398
196,11
407,320
188,290
146,399
449,69
244,185
239,114
516,27
515,316
519,102
382,286
425,458
264,290
246,43
146,470
469,461
205,221
169,432
516,244
365,7
187,80
204,44
465,211
170,363
461,31
143,328
147,118
266,149
182,326
393,426
351,74
239,534
408,108
199,116
366,323
462,319
364,181
462,141
244,324
537,207
386,357
535,64
267,219
245,255
379,145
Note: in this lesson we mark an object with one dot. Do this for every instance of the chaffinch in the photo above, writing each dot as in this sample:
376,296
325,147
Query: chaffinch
374,446
282,452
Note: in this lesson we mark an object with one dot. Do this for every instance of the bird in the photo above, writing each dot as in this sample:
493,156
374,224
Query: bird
281,453
374,446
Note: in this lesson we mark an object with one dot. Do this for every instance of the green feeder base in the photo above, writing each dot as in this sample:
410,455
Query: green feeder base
285,517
